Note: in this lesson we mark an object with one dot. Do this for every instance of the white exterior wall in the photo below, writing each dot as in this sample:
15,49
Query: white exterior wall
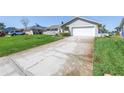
81,23
51,32
29,32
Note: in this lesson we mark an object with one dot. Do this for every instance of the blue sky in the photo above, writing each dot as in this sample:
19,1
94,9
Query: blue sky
14,21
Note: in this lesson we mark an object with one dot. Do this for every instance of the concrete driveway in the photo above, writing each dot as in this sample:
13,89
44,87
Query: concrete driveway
70,56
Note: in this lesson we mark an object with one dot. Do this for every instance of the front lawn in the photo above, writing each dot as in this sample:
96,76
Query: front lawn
9,45
108,56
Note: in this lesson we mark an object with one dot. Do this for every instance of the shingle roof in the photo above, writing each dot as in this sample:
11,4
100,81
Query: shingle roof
37,27
54,26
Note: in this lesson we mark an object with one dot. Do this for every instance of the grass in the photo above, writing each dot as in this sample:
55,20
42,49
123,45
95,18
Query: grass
109,56
9,45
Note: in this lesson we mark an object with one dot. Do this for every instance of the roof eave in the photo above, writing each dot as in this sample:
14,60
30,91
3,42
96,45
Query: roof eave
94,22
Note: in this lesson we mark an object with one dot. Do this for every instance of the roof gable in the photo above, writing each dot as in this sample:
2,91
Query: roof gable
83,19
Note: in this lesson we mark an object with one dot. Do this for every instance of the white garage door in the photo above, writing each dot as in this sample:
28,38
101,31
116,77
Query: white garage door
84,31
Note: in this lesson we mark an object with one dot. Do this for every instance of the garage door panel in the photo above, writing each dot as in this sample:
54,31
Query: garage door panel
86,31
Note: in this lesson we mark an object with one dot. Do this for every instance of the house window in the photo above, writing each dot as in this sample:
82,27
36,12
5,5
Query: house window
56,29
52,29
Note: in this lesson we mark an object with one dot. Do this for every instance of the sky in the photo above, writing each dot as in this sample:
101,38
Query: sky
15,21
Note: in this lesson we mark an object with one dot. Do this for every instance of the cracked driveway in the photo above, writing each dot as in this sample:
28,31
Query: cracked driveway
71,56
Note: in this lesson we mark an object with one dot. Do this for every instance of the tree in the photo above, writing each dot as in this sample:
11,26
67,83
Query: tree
25,22
103,29
2,26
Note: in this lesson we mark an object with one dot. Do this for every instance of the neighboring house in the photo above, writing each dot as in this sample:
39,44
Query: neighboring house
78,27
28,32
53,30
120,28
10,29
36,29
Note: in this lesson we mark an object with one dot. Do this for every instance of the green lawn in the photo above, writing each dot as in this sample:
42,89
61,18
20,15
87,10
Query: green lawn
108,56
9,45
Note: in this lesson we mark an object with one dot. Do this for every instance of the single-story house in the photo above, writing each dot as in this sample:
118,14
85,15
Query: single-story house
36,29
78,27
81,27
10,29
53,30
120,28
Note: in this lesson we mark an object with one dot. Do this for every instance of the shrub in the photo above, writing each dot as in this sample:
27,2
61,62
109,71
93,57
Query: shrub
117,35
56,34
2,34
65,34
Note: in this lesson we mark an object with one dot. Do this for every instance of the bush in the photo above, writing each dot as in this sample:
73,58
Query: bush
2,34
65,34
56,34
117,35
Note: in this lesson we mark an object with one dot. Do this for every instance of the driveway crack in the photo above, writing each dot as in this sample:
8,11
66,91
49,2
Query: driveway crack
18,66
